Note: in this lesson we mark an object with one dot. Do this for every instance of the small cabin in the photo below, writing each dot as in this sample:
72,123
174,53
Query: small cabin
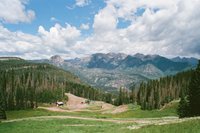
59,104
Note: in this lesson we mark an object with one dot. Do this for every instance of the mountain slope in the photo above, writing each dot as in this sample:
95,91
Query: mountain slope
114,70
22,65
105,61
24,84
155,93
192,61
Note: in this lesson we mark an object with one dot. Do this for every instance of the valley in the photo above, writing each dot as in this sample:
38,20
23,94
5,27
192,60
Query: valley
99,66
114,70
30,90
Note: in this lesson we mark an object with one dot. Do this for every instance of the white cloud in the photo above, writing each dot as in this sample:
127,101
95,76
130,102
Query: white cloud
85,26
165,27
58,40
168,28
14,11
59,37
19,44
82,3
105,20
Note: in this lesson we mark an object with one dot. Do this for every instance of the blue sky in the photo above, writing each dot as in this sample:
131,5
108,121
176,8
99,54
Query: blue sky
76,28
64,11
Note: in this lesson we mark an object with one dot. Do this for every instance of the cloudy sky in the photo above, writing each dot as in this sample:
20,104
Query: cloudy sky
34,29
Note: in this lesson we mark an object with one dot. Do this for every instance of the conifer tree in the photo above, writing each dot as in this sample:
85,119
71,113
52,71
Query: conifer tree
183,107
194,93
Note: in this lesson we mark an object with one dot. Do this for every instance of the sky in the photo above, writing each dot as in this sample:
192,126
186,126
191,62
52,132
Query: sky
38,29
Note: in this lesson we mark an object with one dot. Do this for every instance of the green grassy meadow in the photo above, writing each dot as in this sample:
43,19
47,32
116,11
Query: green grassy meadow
31,124
87,126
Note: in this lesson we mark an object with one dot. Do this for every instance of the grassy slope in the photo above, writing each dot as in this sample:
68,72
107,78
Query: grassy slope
59,125
192,126
136,112
84,126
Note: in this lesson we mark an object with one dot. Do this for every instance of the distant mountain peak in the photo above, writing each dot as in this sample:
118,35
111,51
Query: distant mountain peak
114,70
145,57
56,59
106,61
192,61
139,55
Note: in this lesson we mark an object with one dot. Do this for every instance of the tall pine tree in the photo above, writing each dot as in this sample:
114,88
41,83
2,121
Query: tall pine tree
194,93
183,107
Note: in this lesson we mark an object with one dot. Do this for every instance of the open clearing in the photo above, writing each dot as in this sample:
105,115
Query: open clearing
77,104
98,117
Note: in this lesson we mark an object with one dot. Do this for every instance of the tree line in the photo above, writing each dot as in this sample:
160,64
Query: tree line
153,94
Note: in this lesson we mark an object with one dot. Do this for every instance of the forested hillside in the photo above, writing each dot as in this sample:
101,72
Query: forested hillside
23,85
155,93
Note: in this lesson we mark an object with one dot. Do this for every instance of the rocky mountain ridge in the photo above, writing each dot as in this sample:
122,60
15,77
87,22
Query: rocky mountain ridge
114,70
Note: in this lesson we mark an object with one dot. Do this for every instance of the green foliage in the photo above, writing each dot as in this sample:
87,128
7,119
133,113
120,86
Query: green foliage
2,113
123,97
88,92
23,85
192,108
183,108
194,93
156,93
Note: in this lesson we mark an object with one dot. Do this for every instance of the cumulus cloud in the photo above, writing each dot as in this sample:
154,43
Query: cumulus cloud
14,11
58,40
105,20
18,44
165,27
82,3
59,37
168,28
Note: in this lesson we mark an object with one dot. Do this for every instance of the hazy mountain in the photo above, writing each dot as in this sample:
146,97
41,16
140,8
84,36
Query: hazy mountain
56,60
115,70
113,61
106,61
192,61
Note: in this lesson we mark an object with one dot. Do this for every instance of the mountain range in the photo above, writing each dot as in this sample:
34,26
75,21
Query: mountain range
114,70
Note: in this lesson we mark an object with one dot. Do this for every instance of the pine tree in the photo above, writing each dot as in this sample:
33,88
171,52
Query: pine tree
120,97
183,108
194,93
